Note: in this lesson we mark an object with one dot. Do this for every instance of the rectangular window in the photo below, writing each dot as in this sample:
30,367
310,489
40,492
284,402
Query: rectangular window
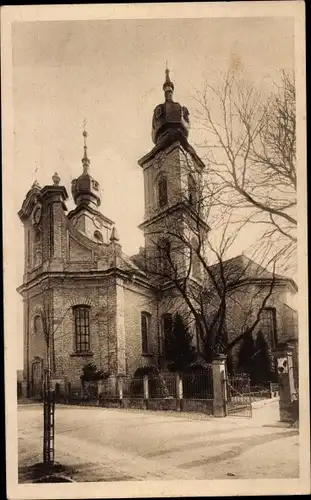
268,324
82,328
145,326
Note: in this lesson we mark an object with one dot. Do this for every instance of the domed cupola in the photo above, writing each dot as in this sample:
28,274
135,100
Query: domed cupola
169,118
85,189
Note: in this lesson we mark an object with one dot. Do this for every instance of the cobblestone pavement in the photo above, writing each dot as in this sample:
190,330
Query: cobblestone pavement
98,444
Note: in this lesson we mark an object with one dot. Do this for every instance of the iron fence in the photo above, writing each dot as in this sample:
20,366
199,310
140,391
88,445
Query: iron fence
162,386
108,389
198,385
133,387
74,391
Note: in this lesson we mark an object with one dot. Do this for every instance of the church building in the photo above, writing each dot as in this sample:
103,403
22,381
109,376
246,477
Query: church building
83,297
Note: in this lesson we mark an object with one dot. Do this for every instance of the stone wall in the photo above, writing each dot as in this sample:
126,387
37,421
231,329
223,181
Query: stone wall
197,405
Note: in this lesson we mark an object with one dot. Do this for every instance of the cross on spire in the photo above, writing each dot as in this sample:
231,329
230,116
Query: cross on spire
168,85
85,159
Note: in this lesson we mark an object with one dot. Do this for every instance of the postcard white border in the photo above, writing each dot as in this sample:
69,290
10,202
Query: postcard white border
178,488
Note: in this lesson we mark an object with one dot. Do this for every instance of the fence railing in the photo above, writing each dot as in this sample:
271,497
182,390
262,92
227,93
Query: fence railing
196,385
162,386
133,387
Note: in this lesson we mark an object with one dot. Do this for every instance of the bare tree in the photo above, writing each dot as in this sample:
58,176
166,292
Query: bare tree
250,148
194,274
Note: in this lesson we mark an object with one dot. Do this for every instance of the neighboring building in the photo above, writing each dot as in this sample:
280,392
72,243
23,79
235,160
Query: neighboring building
82,295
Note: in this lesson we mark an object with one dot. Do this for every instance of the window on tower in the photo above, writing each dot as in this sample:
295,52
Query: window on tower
37,324
82,328
192,190
162,191
195,260
98,237
164,249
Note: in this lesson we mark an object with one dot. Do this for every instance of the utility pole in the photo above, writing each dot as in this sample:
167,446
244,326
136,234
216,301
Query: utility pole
48,392
48,397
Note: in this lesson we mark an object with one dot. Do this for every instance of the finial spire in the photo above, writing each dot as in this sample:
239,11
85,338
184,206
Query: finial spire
85,160
168,85
114,235
56,179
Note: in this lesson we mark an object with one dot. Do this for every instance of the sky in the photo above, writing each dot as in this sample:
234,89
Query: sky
111,72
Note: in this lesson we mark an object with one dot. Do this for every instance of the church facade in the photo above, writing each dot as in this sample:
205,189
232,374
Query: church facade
83,296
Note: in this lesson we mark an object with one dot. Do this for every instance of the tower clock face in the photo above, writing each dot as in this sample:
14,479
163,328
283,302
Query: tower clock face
37,213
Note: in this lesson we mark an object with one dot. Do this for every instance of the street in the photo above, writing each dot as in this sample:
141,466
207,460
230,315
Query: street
101,444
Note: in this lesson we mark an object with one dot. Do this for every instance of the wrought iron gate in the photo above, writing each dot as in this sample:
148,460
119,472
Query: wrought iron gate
238,397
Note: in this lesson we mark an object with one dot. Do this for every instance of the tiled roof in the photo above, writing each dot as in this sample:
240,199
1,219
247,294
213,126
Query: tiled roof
242,268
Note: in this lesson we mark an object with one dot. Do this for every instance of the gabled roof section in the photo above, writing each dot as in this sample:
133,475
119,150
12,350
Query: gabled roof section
241,269
126,263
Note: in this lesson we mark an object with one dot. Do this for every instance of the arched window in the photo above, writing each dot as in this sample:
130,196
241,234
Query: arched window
195,260
268,324
37,324
164,255
82,328
145,319
192,190
162,191
166,329
98,237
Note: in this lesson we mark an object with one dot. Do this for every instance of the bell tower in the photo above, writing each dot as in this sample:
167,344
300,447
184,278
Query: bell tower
86,217
173,180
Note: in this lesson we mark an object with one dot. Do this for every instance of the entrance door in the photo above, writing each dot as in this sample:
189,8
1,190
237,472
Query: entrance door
37,379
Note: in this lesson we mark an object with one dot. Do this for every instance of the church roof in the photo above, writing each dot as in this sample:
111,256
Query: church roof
125,263
241,269
170,119
85,189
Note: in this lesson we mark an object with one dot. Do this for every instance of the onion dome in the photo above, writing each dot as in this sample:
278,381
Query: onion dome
85,189
169,118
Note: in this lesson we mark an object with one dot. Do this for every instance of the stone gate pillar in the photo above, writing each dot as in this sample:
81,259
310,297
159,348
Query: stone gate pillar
219,386
288,402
